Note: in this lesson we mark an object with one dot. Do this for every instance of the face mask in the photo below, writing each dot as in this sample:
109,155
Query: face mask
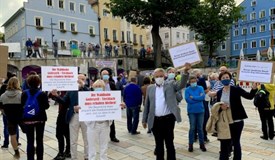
159,81
105,77
98,89
193,84
171,75
226,82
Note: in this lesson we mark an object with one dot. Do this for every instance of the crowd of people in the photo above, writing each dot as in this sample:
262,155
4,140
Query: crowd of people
213,106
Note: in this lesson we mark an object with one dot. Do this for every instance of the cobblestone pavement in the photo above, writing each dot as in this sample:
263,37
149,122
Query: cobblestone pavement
132,147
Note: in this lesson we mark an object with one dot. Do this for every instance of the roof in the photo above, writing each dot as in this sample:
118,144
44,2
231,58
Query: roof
15,15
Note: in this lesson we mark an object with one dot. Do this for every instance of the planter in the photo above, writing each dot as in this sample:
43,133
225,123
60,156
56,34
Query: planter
135,43
63,31
39,27
74,32
107,40
115,41
92,35
122,41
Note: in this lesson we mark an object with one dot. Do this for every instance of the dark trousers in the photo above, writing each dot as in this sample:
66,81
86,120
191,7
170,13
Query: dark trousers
235,130
112,130
62,131
35,130
163,130
267,123
38,53
6,131
132,119
29,52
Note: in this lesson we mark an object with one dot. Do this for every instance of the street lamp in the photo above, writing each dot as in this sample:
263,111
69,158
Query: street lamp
52,24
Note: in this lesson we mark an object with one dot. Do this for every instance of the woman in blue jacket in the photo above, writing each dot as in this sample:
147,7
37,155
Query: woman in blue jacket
194,96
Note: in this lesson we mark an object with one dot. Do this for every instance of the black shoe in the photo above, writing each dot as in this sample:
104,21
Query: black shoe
19,144
135,133
206,140
67,155
115,140
202,147
190,148
155,152
59,156
263,137
4,147
215,135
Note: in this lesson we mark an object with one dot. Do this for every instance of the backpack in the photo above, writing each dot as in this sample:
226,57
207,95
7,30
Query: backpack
31,107
261,99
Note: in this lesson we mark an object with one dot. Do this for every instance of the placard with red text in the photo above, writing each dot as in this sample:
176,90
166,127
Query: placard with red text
99,105
61,78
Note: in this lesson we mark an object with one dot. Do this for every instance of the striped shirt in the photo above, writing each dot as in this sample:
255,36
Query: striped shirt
218,85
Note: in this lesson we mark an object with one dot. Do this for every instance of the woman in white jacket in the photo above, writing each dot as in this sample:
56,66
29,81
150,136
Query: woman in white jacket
98,131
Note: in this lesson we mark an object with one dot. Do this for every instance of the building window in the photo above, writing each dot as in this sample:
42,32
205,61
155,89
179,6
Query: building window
272,12
91,30
122,36
178,34
128,36
262,28
106,33
223,46
253,3
253,30
128,24
272,26
253,44
72,6
135,38
262,43
236,46
50,3
183,36
38,21
62,25
105,13
82,8
244,17
39,40
63,44
244,45
236,32
262,14
114,35
244,31
140,39
166,45
73,27
61,4
166,35
23,22
253,16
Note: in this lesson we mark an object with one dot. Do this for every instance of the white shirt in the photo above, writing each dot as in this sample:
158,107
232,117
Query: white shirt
161,105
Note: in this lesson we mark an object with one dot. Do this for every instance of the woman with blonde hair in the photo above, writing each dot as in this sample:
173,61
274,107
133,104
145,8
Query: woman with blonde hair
10,101
98,131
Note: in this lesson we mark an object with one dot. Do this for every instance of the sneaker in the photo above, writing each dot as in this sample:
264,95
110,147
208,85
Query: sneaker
202,147
59,156
190,148
4,147
16,155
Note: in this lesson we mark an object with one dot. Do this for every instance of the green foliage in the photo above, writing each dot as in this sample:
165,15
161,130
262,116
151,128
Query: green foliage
212,21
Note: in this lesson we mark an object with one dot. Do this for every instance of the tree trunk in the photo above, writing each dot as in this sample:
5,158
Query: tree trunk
211,50
156,45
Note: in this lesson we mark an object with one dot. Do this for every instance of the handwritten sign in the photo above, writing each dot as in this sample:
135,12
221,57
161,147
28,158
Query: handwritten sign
99,105
185,53
61,78
253,71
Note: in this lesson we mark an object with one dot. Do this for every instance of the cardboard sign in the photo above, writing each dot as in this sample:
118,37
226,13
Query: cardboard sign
256,71
61,78
99,105
3,61
185,53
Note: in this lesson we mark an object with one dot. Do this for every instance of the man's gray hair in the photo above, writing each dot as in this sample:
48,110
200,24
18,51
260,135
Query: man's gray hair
196,71
159,70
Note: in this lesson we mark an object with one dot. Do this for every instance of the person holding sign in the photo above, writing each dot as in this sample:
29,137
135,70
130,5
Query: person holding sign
98,131
72,117
161,111
231,97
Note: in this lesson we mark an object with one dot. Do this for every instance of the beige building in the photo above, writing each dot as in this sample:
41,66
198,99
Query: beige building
117,31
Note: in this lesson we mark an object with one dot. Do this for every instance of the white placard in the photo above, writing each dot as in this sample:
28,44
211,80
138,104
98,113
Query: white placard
13,47
99,105
185,53
253,71
62,78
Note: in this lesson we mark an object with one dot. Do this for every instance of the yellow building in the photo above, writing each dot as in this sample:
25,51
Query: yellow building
117,31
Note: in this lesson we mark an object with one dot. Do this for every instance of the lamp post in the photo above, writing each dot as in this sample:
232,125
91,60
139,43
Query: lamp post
52,24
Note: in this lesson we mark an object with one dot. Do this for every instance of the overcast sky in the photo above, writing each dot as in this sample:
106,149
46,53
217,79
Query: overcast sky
9,7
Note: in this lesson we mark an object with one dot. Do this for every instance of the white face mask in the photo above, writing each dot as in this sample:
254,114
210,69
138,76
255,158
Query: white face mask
159,81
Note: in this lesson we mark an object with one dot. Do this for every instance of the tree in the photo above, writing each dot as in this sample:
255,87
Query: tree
155,13
212,21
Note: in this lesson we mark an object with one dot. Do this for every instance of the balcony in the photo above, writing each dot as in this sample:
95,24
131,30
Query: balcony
39,27
93,2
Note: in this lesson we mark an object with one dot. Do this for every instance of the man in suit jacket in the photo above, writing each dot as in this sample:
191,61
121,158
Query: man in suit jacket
161,111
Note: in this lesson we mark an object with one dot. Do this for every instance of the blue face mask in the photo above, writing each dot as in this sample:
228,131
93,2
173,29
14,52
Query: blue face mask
193,84
171,75
98,89
105,77
226,82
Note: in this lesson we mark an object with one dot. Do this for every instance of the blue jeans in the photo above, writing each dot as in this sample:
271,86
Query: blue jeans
196,121
132,119
6,132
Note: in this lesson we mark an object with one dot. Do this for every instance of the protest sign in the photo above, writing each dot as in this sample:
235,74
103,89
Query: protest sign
255,71
3,61
99,105
61,78
185,53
